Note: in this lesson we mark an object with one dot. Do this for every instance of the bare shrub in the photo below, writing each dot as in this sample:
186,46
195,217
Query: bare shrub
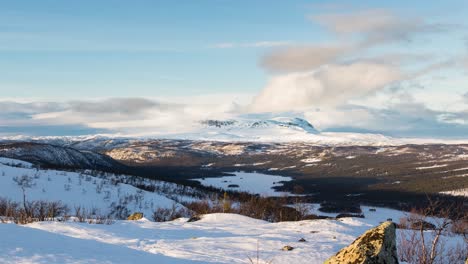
37,211
424,235
169,214
256,259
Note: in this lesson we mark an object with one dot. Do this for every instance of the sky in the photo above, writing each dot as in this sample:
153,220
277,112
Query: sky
149,67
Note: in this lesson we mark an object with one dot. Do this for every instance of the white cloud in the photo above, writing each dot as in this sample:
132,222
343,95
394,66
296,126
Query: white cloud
328,86
326,118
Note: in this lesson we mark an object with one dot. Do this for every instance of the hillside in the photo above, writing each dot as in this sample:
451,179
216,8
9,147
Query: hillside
104,194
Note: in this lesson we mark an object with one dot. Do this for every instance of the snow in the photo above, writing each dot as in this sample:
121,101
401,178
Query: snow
257,183
15,163
459,192
456,176
373,218
26,244
432,167
311,160
260,163
217,238
78,189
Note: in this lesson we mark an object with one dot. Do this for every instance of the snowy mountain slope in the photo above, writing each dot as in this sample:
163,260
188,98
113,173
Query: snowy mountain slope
81,190
57,156
298,124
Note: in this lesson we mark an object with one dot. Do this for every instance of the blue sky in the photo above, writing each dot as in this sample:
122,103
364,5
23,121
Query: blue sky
60,52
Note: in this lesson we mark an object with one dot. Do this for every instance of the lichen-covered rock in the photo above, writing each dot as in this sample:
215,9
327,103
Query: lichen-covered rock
287,248
135,216
375,246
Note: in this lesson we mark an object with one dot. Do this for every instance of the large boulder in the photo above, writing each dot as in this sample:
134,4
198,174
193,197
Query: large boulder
375,246
135,216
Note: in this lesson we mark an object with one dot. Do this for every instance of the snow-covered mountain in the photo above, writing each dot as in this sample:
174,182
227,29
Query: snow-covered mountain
245,129
295,123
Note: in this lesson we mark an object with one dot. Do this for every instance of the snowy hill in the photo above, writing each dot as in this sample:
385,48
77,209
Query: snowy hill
104,193
57,156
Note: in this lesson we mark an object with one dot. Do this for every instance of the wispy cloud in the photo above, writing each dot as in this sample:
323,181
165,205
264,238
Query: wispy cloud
377,25
302,58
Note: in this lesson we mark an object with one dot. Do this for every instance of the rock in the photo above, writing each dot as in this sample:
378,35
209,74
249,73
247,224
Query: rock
194,219
375,246
302,240
372,210
287,248
135,216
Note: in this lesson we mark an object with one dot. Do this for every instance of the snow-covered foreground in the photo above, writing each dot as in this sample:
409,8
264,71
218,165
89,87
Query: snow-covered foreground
217,238
256,183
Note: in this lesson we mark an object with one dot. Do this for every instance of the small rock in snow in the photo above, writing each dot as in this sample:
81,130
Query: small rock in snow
287,248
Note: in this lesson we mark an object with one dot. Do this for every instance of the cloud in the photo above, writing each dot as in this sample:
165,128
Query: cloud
376,25
127,106
12,107
130,116
325,80
406,119
329,86
356,33
302,58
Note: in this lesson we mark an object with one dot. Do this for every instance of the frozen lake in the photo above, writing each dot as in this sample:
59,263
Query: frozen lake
252,182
